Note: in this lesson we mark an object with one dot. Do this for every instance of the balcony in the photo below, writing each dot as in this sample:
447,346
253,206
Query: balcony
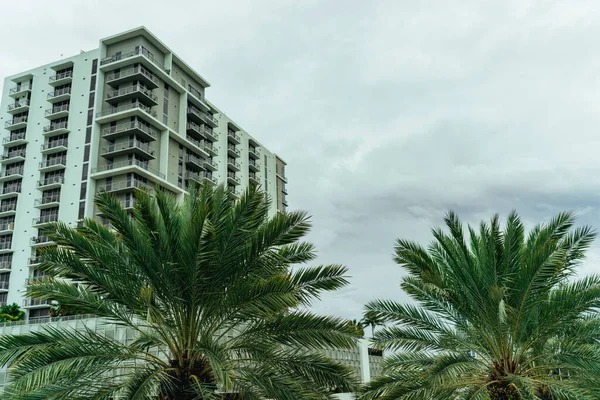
57,112
210,164
253,165
198,144
46,219
122,166
5,266
5,247
127,111
133,128
202,118
3,286
36,303
47,202
16,123
201,177
233,151
127,185
32,261
12,157
53,164
138,92
233,137
56,129
254,152
196,97
233,179
7,227
127,204
201,132
51,183
40,240
210,149
61,79
12,173
14,139
10,191
253,178
129,147
142,53
194,162
133,74
19,90
18,107
233,166
59,95
8,209
55,146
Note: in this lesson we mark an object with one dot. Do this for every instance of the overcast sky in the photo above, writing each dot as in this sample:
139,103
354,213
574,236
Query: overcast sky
388,113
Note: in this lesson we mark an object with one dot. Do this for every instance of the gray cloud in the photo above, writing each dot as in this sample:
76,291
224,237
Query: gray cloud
389,113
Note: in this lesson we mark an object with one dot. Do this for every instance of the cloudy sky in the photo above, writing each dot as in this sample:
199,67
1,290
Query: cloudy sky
388,113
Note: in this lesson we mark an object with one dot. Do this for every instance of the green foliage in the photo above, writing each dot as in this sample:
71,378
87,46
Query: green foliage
357,326
208,289
11,312
499,315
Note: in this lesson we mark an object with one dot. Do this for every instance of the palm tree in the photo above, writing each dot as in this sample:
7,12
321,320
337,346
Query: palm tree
499,315
207,289
357,326
372,320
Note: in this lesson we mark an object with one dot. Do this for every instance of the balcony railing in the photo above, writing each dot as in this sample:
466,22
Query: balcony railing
19,89
4,285
193,159
129,126
53,161
233,177
15,121
5,246
59,92
203,116
11,189
55,143
13,154
5,264
47,200
127,184
51,181
132,71
127,163
34,261
14,137
57,126
202,130
234,136
45,219
39,239
139,51
13,171
132,89
62,75
126,146
234,164
7,226
211,163
8,207
233,149
127,107
18,104
54,110
35,302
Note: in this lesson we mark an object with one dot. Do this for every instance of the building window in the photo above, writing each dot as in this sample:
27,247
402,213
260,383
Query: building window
88,135
91,102
86,153
81,210
84,172
95,66
83,191
93,83
90,117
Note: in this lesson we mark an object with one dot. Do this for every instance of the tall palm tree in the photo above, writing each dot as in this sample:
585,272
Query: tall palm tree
207,288
499,315
371,320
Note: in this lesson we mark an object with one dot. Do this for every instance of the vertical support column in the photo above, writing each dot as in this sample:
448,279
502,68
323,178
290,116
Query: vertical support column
365,369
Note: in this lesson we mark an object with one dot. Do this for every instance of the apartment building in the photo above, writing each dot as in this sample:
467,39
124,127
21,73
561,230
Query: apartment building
129,114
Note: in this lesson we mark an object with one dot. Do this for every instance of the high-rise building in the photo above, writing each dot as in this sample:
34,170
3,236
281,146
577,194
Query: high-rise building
129,114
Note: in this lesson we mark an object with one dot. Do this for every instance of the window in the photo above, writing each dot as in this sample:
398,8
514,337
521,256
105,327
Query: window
88,135
83,191
81,210
84,172
93,83
91,101
86,153
94,66
90,117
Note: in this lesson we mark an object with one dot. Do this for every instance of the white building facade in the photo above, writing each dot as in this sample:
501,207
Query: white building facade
126,115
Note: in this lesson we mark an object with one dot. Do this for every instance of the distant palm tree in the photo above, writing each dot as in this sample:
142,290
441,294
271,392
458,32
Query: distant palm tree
499,315
372,320
207,288
357,326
